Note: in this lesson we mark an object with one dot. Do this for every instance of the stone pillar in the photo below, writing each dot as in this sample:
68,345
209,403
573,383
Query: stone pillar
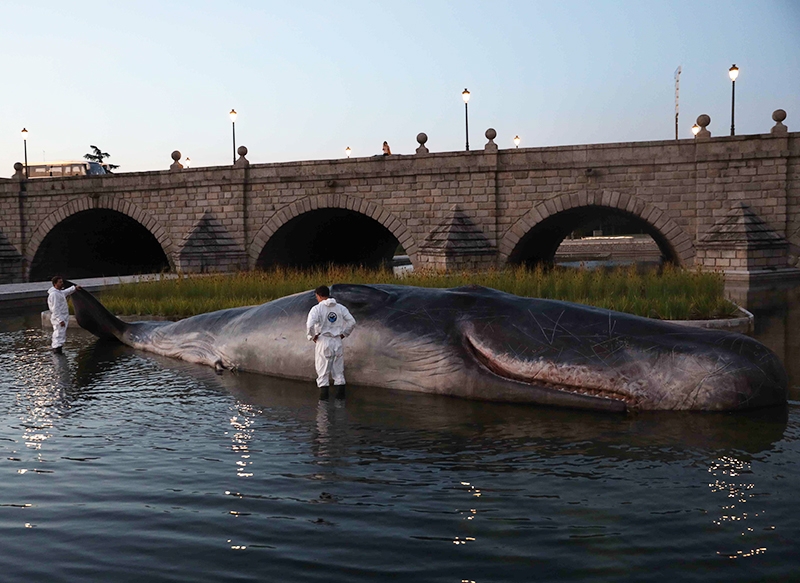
456,244
13,266
743,246
238,201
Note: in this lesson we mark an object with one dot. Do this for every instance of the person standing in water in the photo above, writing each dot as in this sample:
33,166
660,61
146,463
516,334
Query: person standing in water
329,323
59,311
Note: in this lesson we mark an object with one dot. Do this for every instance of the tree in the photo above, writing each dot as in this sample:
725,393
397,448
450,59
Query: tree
98,156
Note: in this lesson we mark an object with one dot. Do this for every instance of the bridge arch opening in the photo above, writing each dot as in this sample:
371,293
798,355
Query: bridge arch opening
95,243
593,233
329,236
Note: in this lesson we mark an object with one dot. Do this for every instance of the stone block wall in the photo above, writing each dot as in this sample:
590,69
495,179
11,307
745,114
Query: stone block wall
742,258
680,188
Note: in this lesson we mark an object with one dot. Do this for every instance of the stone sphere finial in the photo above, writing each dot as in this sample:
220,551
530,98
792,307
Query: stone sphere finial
490,145
176,164
703,121
242,162
779,129
422,137
18,166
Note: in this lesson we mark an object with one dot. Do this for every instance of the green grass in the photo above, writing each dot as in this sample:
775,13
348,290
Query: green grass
673,294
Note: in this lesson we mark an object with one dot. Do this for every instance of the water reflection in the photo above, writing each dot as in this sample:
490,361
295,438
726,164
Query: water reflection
777,324
241,436
329,440
96,359
734,479
42,382
485,490
661,435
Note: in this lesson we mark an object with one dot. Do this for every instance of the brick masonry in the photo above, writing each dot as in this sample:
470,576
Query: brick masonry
680,188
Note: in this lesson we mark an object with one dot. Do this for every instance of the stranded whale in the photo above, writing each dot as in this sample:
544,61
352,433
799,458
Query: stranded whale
477,343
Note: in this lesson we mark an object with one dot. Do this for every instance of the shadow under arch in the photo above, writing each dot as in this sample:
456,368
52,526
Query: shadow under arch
330,228
115,203
329,236
536,236
97,242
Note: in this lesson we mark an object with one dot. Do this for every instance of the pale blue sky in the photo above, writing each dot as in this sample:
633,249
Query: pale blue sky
140,79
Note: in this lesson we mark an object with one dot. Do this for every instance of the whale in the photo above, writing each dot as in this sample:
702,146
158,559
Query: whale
476,343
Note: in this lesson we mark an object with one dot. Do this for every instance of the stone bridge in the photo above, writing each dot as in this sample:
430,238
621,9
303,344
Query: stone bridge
727,203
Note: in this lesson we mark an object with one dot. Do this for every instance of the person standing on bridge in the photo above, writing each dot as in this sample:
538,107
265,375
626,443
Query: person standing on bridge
329,323
59,310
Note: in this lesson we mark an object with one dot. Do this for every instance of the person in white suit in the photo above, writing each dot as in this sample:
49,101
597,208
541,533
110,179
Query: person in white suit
329,323
59,311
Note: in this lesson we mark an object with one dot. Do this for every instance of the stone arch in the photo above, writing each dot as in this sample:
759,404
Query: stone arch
340,201
113,203
671,234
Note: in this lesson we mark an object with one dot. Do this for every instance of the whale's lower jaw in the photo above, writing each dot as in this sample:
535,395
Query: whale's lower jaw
600,397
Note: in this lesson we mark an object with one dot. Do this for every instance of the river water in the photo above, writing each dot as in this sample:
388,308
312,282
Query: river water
119,466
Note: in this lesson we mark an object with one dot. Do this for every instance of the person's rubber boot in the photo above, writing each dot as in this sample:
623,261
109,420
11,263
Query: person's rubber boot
323,393
340,392
57,350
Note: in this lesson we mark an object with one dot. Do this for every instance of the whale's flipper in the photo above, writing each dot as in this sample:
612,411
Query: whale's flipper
92,316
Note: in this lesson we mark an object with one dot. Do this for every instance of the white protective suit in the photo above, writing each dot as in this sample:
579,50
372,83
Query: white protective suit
59,312
329,321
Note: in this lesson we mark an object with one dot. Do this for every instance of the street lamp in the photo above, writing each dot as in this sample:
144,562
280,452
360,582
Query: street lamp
347,151
516,141
25,145
188,162
733,73
695,129
465,97
233,127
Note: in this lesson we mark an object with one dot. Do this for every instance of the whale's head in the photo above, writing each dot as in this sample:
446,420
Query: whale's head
643,363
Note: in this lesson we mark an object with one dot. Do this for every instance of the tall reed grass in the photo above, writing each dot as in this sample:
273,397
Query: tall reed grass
673,294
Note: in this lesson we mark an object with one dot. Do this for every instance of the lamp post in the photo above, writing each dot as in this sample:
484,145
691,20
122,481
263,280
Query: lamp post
465,97
233,115
347,151
695,129
25,145
733,73
516,141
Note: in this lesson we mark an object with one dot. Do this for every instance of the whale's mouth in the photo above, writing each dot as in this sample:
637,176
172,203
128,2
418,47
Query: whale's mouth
515,370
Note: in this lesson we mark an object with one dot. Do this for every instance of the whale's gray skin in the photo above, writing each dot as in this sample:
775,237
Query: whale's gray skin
477,343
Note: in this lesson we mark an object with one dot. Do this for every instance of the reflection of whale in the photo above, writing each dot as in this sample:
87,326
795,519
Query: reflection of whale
397,419
480,344
94,360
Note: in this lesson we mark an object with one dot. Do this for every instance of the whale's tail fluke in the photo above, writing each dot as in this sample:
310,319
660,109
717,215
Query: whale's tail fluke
93,316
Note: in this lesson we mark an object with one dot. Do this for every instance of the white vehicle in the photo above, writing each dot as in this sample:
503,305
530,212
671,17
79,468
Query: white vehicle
65,168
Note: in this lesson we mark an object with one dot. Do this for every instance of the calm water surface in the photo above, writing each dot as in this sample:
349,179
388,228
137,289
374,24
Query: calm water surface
122,466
